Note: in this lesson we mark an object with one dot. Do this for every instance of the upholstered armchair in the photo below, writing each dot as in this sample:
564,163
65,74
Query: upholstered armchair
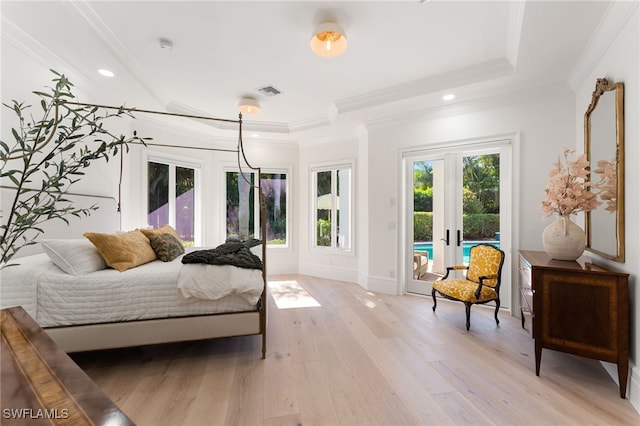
481,283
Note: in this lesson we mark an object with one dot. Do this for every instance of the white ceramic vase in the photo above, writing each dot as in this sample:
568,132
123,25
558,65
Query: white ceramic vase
563,239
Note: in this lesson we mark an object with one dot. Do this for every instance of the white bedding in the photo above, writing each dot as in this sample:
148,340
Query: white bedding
56,298
213,282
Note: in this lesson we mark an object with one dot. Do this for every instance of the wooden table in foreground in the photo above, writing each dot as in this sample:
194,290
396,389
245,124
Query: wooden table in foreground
41,384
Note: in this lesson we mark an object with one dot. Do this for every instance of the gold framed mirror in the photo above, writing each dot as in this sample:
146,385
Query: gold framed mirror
604,147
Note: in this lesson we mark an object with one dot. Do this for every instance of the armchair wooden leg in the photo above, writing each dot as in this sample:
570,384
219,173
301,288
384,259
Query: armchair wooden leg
496,314
467,308
433,294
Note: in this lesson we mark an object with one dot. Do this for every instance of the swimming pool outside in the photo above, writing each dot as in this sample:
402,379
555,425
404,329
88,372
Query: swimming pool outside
427,246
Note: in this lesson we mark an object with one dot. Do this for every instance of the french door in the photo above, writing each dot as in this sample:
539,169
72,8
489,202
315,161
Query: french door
455,198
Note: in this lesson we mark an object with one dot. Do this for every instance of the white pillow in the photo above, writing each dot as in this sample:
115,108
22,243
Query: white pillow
75,257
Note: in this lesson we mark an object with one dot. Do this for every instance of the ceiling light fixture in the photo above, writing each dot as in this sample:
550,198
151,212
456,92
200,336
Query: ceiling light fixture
249,105
449,97
329,40
106,72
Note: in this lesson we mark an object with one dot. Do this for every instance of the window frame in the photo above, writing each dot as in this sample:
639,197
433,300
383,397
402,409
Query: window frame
333,166
233,167
173,162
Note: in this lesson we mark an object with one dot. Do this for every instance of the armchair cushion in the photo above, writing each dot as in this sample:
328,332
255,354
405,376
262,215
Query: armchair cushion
484,260
464,290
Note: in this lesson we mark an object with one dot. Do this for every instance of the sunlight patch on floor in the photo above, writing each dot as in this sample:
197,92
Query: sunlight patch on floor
289,294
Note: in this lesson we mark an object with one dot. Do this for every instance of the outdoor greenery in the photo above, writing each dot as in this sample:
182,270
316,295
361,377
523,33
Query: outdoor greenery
324,233
476,226
480,198
49,150
274,190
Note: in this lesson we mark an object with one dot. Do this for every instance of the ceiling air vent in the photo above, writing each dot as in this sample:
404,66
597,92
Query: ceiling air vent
269,91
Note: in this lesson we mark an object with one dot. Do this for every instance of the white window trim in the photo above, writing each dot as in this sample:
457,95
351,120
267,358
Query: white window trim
324,167
175,161
286,170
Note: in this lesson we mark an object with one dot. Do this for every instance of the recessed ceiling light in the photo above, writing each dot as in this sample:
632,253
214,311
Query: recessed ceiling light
448,97
106,72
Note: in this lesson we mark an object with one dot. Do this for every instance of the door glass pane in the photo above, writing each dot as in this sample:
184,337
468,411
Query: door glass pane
158,197
185,204
240,205
422,218
323,209
343,204
274,188
480,201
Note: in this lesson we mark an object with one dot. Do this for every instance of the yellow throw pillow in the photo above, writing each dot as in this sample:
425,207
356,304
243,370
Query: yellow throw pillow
123,251
165,229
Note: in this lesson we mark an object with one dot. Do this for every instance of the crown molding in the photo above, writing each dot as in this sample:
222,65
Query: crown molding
613,21
514,30
476,73
308,124
532,94
39,53
120,52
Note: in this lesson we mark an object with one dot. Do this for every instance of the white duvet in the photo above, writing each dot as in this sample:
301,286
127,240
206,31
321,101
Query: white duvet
154,290
213,282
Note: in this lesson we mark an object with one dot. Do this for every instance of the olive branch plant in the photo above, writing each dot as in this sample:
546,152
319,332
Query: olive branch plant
47,155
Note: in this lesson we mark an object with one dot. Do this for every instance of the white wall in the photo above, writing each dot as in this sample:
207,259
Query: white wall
22,73
544,126
617,60
317,262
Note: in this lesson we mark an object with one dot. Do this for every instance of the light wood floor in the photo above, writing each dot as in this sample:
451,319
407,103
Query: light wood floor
361,359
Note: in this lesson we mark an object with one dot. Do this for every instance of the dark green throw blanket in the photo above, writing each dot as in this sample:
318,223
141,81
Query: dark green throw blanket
233,252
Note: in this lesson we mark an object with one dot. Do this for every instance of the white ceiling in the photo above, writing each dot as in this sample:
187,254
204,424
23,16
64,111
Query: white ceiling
402,55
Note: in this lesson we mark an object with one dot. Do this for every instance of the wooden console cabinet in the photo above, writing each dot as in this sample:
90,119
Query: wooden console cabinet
578,308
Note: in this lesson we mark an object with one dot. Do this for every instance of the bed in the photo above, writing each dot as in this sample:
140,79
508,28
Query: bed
87,306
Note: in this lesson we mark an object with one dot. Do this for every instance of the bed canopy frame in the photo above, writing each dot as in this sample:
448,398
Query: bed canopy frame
133,333
239,151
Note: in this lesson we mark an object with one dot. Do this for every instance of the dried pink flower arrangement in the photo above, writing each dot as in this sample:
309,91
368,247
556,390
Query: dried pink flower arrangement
568,191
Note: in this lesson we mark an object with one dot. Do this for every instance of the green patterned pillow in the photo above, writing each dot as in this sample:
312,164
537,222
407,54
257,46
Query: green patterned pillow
166,246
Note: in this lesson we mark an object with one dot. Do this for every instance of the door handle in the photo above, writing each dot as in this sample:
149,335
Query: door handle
458,237
446,240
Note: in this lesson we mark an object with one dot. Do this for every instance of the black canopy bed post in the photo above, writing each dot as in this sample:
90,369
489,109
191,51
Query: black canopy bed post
241,158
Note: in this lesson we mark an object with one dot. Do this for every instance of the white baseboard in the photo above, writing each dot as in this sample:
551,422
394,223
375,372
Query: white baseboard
328,272
633,387
379,284
282,268
375,284
633,383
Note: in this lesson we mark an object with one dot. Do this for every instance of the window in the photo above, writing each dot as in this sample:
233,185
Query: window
172,197
332,193
243,206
